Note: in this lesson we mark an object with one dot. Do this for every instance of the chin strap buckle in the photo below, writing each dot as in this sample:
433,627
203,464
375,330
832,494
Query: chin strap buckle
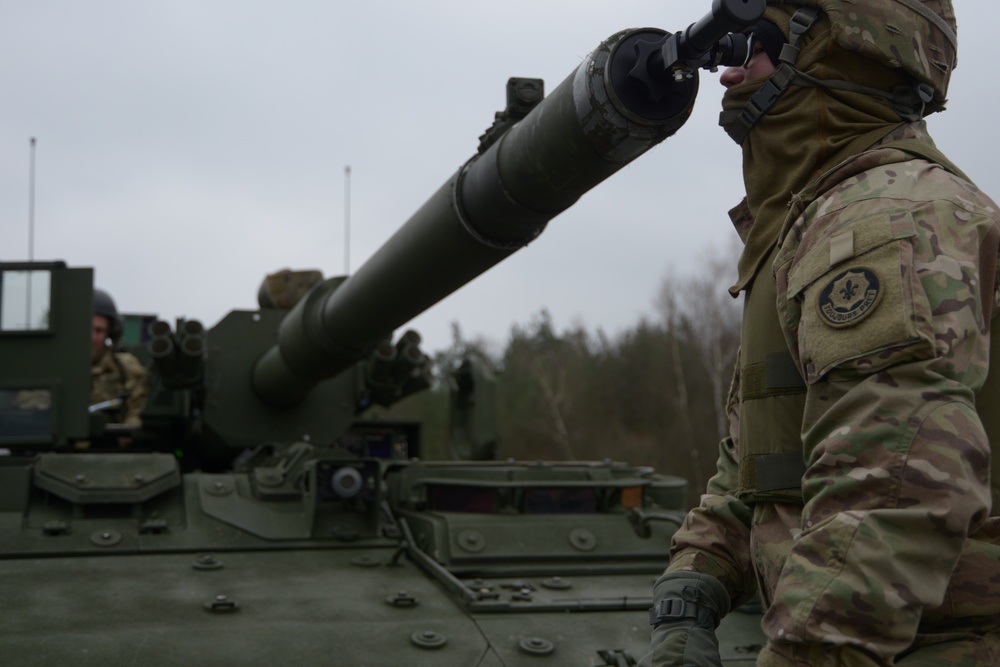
760,102
910,102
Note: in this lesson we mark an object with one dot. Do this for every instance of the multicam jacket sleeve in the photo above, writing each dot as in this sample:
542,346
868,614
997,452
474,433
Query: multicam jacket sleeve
137,386
714,537
886,286
117,374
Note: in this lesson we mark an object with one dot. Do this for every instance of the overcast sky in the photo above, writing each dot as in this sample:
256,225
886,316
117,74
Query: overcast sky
187,148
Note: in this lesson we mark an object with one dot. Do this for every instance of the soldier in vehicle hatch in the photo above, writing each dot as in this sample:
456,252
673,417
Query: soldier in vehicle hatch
853,494
118,382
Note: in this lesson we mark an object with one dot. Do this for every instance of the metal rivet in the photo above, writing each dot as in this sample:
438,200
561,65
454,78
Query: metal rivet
218,488
536,646
106,538
582,539
481,585
428,639
206,562
472,540
221,604
556,583
402,599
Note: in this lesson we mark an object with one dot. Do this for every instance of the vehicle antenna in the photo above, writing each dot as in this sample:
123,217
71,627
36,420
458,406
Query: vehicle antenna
31,203
347,220
31,229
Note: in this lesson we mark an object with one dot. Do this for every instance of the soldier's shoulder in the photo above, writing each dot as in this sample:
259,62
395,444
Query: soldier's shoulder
130,363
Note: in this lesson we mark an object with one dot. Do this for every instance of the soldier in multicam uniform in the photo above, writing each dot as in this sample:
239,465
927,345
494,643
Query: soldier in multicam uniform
114,375
853,494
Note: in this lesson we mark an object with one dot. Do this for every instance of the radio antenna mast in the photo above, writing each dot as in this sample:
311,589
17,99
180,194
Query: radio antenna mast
31,233
31,204
347,220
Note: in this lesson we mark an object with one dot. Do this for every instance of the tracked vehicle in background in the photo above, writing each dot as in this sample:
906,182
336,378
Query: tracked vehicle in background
259,517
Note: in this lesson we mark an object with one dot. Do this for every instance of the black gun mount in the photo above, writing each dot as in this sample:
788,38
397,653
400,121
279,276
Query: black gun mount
716,40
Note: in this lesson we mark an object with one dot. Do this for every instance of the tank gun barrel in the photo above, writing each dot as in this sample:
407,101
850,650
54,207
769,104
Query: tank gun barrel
594,123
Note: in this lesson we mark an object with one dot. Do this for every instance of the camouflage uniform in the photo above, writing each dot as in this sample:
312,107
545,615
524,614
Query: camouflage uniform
897,488
866,339
120,374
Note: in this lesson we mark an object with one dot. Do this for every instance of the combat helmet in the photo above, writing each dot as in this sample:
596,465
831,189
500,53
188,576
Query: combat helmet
917,37
105,305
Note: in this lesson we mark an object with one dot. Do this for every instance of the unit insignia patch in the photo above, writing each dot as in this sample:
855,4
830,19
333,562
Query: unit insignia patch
849,298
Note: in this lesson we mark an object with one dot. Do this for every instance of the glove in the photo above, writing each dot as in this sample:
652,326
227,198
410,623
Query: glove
687,608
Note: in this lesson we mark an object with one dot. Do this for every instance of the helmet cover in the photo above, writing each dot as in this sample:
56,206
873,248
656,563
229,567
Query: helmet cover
917,36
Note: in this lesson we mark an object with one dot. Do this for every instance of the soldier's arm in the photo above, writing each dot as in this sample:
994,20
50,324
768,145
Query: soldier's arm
715,536
137,386
897,458
898,480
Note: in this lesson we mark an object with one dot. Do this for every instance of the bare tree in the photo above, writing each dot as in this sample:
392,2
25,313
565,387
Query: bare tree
551,380
703,306
667,303
538,390
715,317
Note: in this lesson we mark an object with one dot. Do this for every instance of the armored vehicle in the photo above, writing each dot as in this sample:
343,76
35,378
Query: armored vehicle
259,517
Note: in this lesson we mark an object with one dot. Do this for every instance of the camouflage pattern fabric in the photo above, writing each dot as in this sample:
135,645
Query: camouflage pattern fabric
106,383
918,36
33,399
887,280
285,288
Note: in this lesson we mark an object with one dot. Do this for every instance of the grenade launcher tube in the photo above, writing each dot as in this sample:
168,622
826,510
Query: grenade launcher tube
498,202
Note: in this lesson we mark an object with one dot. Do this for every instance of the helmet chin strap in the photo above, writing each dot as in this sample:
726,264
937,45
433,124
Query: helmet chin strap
907,101
739,122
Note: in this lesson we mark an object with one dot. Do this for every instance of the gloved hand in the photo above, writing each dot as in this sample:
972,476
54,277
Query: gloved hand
687,608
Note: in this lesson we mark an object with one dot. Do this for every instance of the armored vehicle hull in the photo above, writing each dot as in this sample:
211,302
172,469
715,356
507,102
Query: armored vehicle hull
203,572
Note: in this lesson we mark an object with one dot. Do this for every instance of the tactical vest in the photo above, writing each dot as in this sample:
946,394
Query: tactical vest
772,392
772,401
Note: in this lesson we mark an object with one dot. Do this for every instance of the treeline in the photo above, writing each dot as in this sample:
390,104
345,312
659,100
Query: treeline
654,395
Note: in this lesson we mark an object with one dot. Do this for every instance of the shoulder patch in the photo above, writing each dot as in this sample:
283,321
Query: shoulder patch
849,298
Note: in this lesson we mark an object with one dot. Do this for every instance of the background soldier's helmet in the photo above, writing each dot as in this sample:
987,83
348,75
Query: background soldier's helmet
919,37
105,305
